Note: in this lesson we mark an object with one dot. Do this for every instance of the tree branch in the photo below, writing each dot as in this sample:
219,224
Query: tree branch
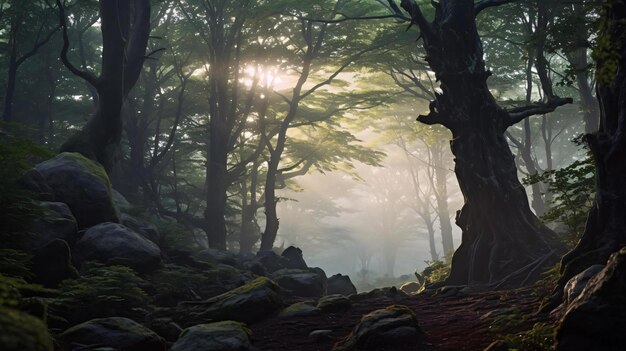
484,4
87,76
518,114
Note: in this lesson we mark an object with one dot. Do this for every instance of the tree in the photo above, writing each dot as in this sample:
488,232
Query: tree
125,31
605,230
503,242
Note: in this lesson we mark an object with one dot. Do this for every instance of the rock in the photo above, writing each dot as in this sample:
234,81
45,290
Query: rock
294,259
83,185
382,293
119,333
57,222
334,304
35,183
596,319
52,264
308,283
165,327
411,288
575,286
119,201
271,261
299,309
384,329
21,332
340,284
322,334
220,336
249,303
112,243
141,227
217,256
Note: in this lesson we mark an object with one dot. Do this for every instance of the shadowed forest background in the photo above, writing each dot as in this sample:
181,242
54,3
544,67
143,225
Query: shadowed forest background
164,158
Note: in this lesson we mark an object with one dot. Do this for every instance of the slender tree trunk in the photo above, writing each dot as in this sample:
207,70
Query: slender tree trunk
441,197
9,94
434,256
503,242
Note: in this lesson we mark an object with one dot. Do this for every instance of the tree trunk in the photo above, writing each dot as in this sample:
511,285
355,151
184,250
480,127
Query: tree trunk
434,256
123,54
11,80
605,231
271,215
503,242
441,197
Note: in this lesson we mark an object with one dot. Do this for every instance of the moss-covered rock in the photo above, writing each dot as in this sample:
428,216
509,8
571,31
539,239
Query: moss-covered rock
383,329
248,303
83,185
52,264
309,282
340,284
56,222
220,336
20,331
122,334
113,243
299,309
334,304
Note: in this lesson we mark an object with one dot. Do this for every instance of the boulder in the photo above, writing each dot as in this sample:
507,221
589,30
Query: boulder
384,329
139,226
220,336
112,243
119,201
119,333
271,261
308,283
216,256
596,319
52,264
56,222
334,304
411,288
83,185
299,309
321,334
293,258
340,284
35,183
20,331
249,303
575,286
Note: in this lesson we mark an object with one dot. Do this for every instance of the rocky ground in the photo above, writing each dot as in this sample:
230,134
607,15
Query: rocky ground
98,274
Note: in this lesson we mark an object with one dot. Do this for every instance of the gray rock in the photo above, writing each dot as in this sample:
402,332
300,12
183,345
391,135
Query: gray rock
596,319
271,261
57,222
83,185
119,201
322,334
145,229
334,304
119,333
249,303
52,264
575,286
340,284
35,183
112,243
220,336
299,309
383,329
217,256
308,283
294,259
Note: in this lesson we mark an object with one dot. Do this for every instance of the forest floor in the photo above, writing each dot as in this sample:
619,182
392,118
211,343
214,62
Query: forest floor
454,323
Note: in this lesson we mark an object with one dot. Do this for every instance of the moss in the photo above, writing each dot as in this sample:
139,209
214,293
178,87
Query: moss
92,166
22,332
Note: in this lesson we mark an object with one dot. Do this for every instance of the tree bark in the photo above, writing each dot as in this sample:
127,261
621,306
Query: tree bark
441,197
605,230
503,242
124,42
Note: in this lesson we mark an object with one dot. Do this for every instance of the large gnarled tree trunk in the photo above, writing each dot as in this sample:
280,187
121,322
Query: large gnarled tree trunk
605,231
125,31
503,242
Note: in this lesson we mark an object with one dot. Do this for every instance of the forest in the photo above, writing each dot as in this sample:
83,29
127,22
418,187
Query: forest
320,175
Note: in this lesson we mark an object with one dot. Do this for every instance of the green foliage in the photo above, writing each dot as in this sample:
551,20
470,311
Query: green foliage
607,50
173,284
21,331
573,188
101,292
17,209
437,271
176,237
538,338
